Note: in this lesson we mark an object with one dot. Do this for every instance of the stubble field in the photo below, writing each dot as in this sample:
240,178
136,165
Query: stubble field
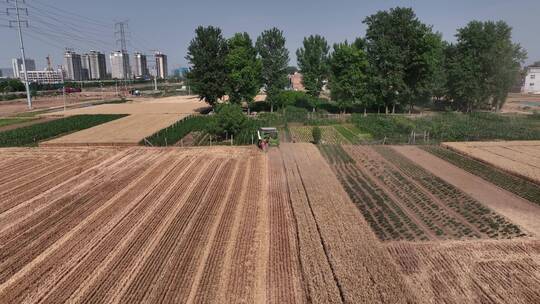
235,225
517,157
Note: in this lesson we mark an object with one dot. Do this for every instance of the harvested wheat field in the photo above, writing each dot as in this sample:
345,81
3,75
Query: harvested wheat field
504,271
517,157
212,225
146,117
235,225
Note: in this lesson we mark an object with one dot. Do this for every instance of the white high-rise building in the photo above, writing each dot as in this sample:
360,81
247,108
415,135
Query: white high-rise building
532,81
120,65
73,66
98,65
85,67
140,67
18,66
161,65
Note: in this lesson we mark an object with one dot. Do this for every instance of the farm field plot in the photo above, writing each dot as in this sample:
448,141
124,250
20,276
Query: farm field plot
512,183
341,258
126,131
146,117
502,271
518,210
172,225
402,201
518,157
329,135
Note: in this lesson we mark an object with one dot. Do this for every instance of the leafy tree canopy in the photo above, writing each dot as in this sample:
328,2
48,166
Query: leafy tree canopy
275,59
243,68
349,75
206,55
483,65
403,53
313,63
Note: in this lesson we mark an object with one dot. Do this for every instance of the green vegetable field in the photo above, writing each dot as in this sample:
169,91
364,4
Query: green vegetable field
32,135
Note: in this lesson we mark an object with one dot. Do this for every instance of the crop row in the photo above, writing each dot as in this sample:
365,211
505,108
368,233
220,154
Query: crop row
437,221
473,212
386,218
329,135
517,185
32,135
335,154
174,133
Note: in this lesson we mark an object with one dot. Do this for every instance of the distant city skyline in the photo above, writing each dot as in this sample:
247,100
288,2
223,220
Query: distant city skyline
169,26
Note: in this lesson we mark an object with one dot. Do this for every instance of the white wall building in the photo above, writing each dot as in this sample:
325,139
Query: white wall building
18,66
120,65
140,67
73,66
98,65
532,81
161,65
44,77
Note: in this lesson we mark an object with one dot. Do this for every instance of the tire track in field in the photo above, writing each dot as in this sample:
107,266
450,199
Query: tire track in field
320,284
121,235
242,285
92,227
222,281
206,288
159,259
197,240
40,184
284,278
114,274
76,184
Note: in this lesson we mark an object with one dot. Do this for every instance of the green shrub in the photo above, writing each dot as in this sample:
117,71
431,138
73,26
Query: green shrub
316,133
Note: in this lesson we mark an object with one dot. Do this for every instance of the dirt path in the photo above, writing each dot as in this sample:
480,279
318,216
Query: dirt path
518,210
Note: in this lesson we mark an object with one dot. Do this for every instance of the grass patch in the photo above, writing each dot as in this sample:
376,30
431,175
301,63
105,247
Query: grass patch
32,135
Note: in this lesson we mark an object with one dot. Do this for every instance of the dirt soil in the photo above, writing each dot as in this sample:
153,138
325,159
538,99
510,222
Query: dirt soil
12,107
516,209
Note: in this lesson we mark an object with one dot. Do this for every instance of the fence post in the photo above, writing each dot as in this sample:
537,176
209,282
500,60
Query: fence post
232,139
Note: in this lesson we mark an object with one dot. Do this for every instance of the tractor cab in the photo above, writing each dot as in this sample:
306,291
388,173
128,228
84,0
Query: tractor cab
268,137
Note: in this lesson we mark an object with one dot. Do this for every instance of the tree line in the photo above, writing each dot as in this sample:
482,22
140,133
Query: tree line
399,62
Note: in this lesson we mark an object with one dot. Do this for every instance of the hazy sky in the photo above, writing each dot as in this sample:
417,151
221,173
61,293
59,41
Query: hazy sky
168,25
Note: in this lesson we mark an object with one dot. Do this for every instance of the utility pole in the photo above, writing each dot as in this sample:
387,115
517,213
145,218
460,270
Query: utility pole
21,42
64,91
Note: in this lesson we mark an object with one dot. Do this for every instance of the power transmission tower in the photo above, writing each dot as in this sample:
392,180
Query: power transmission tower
121,29
19,21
